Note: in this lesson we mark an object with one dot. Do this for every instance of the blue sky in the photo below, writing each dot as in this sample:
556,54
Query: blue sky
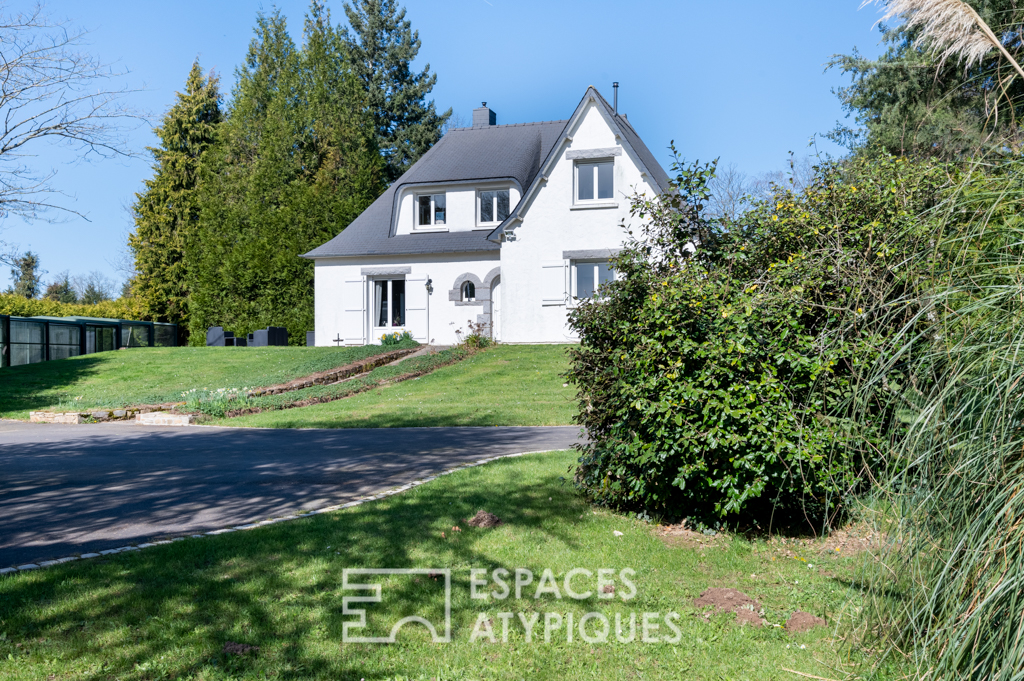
742,80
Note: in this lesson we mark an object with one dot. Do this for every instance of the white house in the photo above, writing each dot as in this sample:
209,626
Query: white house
503,225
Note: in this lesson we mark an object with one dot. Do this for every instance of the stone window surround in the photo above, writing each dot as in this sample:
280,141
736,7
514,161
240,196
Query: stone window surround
483,294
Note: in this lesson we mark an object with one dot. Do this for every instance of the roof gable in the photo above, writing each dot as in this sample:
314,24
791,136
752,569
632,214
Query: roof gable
622,129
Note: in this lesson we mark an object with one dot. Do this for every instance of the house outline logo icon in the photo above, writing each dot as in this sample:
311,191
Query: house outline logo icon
375,597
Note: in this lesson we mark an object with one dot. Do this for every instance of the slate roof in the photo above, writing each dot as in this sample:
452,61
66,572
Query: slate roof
463,154
515,152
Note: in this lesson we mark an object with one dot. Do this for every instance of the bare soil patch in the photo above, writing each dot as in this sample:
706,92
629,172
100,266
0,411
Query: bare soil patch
484,519
679,536
803,621
847,541
748,611
231,648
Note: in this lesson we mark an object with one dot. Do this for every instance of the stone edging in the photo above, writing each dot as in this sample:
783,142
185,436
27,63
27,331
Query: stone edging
335,375
28,567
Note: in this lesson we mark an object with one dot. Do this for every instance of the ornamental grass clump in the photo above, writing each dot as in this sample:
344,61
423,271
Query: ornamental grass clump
948,590
715,374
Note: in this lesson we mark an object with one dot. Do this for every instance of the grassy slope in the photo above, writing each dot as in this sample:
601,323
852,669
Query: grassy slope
150,375
167,612
507,385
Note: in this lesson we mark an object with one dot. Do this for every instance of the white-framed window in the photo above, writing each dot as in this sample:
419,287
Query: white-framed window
430,210
595,181
493,206
388,303
468,292
589,276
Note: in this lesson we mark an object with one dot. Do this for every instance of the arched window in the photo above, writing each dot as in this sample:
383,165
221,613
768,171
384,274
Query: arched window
468,291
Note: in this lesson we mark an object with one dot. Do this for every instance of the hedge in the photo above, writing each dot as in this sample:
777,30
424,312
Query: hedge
122,308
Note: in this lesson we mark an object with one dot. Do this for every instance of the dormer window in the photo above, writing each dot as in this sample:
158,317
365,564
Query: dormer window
594,181
494,206
431,210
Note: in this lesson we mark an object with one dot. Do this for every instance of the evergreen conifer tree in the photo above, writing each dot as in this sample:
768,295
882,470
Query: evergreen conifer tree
26,276
907,103
167,210
61,289
297,163
382,46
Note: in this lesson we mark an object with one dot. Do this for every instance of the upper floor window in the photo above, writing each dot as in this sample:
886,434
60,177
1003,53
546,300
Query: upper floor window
494,205
594,181
431,210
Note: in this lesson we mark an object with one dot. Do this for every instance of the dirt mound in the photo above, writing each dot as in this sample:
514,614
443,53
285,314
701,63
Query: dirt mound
679,536
748,611
239,648
484,519
803,621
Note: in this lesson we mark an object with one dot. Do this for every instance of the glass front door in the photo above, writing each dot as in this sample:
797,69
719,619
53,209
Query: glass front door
389,303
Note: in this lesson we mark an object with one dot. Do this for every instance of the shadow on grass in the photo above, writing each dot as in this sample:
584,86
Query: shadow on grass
32,386
153,375
167,612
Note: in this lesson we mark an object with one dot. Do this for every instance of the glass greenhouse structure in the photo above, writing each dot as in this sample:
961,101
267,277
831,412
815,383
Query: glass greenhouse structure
27,340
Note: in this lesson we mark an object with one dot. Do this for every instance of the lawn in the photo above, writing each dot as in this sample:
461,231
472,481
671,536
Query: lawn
505,385
154,375
167,612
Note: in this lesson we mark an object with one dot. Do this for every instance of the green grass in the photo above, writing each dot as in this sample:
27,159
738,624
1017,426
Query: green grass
506,385
166,612
153,375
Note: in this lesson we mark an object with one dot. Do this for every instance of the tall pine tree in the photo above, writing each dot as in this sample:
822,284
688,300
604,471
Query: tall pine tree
382,46
298,162
26,276
167,210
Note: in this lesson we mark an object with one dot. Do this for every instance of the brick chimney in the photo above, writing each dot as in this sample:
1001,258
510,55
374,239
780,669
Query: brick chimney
483,116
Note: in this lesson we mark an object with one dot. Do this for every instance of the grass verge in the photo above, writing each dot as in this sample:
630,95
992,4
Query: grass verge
154,375
169,611
506,385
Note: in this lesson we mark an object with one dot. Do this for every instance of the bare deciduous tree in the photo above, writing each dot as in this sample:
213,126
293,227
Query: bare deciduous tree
733,191
51,90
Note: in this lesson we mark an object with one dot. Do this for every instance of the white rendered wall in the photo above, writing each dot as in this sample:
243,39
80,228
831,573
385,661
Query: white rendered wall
552,224
444,315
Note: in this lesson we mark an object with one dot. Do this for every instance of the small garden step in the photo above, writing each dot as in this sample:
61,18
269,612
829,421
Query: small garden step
95,415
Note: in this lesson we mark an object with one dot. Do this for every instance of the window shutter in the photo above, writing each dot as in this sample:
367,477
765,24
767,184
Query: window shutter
553,282
353,297
417,319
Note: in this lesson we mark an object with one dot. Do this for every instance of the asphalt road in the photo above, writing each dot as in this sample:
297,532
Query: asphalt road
75,489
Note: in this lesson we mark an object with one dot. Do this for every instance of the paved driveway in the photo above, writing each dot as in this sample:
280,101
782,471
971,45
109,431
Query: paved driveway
73,489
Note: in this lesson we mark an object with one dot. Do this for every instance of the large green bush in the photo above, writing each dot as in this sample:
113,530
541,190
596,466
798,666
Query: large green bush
717,383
